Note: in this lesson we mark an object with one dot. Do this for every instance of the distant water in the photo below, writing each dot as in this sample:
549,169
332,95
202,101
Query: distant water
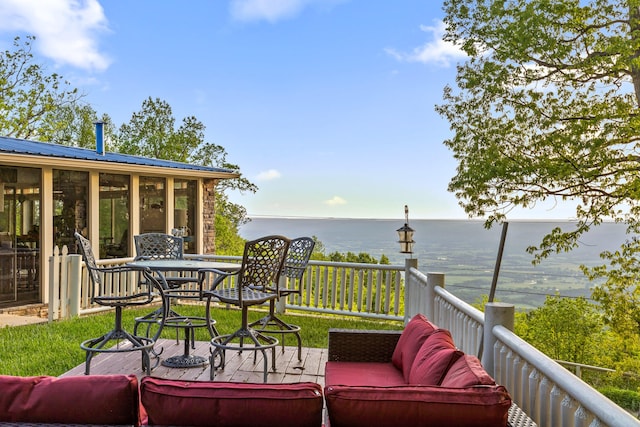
463,249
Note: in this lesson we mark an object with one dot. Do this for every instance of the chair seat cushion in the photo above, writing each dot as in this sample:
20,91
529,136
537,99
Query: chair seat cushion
362,374
91,399
225,404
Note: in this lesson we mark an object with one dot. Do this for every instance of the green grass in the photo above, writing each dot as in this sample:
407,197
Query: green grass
54,348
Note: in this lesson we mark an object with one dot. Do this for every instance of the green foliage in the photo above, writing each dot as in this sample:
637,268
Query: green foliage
318,253
546,109
565,329
30,99
627,399
619,295
228,241
542,108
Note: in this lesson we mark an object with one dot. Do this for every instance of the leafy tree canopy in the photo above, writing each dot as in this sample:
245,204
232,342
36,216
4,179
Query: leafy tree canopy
546,108
152,132
30,99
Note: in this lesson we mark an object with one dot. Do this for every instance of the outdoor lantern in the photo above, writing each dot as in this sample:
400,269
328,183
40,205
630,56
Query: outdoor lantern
405,234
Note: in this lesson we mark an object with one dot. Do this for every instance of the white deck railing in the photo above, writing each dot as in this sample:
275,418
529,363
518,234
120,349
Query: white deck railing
364,290
548,393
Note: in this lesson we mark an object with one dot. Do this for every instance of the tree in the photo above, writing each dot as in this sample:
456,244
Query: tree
152,132
565,329
547,108
30,99
74,125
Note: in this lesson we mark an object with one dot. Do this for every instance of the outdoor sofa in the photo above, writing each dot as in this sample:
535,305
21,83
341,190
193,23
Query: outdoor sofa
119,400
408,378
414,377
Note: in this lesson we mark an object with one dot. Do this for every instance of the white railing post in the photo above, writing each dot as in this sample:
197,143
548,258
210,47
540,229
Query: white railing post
54,284
281,303
495,313
410,290
75,284
64,283
433,280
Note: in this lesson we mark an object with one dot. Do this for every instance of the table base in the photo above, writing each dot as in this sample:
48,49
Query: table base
185,361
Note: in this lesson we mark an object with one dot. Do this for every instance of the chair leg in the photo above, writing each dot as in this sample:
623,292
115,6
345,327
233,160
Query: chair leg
249,339
118,334
274,325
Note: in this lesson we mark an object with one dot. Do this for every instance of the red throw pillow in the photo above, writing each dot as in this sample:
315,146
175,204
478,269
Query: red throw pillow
198,403
431,369
91,399
437,354
467,372
410,341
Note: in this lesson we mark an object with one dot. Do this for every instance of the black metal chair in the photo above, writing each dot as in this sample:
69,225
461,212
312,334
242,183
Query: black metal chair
118,287
290,282
162,246
262,264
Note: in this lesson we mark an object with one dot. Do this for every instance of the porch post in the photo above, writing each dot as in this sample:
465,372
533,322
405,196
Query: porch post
495,313
433,280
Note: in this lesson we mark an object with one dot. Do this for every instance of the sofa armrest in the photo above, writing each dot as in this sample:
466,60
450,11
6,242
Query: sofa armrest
353,345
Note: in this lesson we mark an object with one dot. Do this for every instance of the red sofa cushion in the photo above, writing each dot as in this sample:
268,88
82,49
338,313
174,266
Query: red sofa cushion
362,373
467,372
91,399
410,341
434,359
197,403
349,406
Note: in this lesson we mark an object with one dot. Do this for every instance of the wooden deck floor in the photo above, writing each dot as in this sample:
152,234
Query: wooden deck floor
239,367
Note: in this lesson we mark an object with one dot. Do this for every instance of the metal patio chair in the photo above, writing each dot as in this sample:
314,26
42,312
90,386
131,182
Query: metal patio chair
295,265
118,287
162,246
262,264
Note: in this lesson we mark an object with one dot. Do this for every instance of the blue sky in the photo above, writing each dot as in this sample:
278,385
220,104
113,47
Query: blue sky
326,105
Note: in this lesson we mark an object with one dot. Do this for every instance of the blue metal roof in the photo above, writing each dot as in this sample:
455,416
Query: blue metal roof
46,149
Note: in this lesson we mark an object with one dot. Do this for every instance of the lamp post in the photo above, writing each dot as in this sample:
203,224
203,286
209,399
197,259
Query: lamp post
405,234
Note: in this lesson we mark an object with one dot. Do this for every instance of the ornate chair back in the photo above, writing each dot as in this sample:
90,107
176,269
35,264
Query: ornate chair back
296,262
158,245
262,262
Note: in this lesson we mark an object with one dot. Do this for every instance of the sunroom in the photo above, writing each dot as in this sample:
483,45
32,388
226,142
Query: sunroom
48,191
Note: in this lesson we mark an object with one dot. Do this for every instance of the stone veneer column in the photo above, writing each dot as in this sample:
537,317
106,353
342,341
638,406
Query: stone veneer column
209,216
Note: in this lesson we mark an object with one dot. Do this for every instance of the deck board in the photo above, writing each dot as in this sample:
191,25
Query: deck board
239,367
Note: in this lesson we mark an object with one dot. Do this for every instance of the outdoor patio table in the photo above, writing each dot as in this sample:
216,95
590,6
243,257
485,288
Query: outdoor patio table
188,323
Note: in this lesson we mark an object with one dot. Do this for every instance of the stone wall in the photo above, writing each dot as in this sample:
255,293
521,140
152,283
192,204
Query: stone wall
209,216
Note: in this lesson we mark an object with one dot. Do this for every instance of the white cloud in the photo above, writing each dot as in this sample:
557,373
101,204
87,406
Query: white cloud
65,30
272,10
268,175
435,51
335,201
